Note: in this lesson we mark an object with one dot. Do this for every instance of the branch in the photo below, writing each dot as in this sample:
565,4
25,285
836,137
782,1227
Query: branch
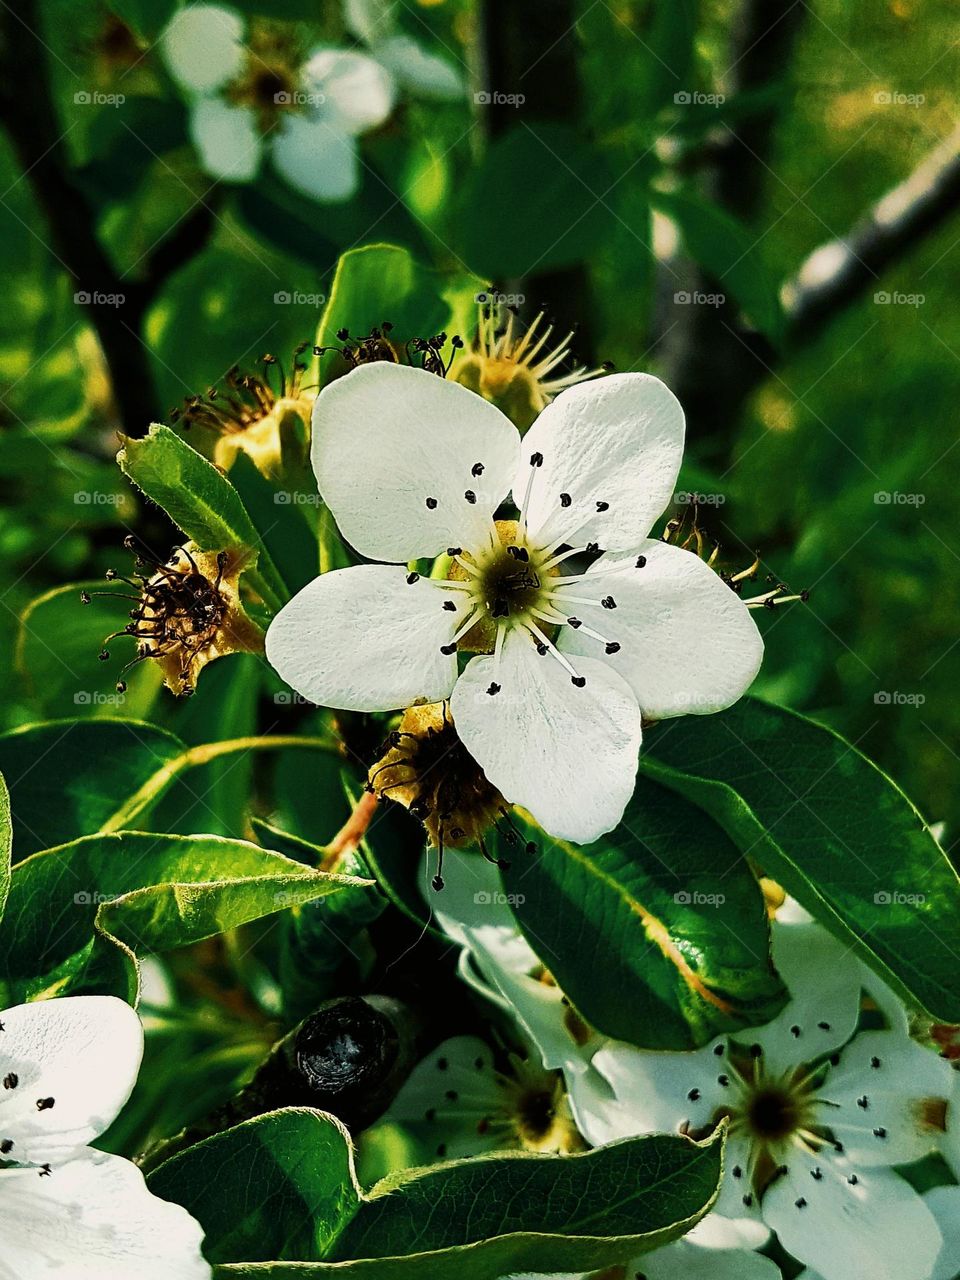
839,271
761,50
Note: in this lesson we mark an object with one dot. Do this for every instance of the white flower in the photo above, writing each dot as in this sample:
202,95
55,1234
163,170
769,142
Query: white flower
414,69
411,466
819,1111
255,93
66,1211
461,1106
819,1114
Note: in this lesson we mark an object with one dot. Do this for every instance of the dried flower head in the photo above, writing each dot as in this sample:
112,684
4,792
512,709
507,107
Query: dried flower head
265,416
186,612
426,768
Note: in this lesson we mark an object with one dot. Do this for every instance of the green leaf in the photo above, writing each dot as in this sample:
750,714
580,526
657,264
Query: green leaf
198,498
285,525
123,144
669,38
70,778
833,829
261,1189
484,1218
377,283
58,654
730,252
67,778
71,908
673,944
214,796
280,1186
545,187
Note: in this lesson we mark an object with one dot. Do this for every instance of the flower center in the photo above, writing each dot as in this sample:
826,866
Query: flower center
539,1111
772,1114
509,584
268,82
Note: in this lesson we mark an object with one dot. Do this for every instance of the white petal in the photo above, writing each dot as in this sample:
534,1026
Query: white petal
450,1098
369,20
877,1094
386,438
357,93
618,440
688,645
567,754
717,1232
364,639
227,139
539,1007
823,978
876,1228
418,71
944,1204
94,1219
203,46
686,1261
80,1056
660,1092
498,962
317,158
950,1142
886,999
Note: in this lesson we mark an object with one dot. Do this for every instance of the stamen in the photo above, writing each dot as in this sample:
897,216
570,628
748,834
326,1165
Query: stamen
538,635
464,564
525,504
472,617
